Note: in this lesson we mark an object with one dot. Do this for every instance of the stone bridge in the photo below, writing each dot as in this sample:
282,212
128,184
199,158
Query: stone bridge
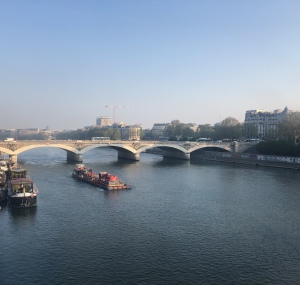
126,149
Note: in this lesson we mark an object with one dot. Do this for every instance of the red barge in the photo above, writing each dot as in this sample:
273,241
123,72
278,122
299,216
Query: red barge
103,180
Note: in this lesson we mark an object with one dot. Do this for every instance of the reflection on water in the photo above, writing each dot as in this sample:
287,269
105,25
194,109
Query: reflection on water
22,214
167,162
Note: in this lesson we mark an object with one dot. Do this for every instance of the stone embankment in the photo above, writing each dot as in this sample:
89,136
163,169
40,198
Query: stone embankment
253,159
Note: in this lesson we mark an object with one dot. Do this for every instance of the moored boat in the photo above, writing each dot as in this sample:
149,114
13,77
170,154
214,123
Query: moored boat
3,170
103,180
3,189
21,190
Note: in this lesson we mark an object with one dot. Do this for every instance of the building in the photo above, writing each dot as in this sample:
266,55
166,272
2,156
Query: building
130,132
158,130
103,121
260,123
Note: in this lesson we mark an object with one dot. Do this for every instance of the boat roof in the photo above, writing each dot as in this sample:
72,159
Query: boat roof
18,169
80,165
21,180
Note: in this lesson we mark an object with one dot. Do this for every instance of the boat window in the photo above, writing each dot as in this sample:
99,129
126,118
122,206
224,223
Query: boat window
20,188
28,187
15,188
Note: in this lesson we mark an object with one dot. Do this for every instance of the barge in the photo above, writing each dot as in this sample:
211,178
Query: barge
21,190
103,180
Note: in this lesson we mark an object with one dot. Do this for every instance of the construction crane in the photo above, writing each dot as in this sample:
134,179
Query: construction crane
114,107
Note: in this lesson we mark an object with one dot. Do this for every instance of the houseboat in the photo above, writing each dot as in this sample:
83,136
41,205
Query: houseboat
21,190
3,189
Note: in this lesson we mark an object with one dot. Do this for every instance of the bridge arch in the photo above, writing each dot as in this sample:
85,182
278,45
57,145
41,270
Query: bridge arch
115,146
6,150
163,146
170,150
72,153
124,151
200,147
60,146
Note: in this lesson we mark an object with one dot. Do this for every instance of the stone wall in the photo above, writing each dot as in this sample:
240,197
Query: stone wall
254,159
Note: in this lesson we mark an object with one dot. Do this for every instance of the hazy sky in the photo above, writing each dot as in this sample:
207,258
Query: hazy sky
63,61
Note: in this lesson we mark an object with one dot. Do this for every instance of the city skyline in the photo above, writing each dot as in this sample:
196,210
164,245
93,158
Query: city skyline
109,123
196,61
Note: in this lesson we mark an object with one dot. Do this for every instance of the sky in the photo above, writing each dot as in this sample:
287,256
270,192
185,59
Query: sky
197,61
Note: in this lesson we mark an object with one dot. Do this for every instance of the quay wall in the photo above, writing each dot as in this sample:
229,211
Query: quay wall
253,159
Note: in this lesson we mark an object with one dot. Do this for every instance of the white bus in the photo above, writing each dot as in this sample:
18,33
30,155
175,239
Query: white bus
103,139
203,140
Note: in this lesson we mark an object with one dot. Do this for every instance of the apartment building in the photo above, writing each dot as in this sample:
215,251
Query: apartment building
260,123
158,130
130,132
103,121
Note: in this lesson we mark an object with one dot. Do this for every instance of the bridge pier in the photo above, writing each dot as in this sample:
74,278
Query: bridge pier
128,155
13,158
177,154
71,156
234,147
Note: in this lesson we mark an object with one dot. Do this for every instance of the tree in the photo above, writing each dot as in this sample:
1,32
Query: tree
205,131
38,136
289,128
179,131
187,133
229,128
283,148
175,122
174,129
114,134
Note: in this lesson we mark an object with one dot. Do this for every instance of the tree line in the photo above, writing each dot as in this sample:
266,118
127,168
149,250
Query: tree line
231,128
112,133
284,141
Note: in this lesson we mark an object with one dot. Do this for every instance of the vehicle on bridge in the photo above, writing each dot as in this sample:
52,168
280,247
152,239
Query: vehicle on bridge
204,140
253,140
21,191
103,180
103,139
9,140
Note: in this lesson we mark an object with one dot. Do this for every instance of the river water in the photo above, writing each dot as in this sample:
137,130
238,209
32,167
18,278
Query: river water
182,223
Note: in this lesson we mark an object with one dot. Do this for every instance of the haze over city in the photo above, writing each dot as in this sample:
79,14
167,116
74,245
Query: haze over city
199,62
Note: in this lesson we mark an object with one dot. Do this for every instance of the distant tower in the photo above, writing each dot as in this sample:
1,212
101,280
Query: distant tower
103,121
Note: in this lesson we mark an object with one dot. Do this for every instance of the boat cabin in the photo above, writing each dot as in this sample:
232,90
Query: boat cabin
16,173
22,186
2,177
3,164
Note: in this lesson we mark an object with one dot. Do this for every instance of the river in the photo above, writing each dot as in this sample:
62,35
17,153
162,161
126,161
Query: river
182,223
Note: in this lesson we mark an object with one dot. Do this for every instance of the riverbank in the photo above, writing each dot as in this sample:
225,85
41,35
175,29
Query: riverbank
252,159
243,158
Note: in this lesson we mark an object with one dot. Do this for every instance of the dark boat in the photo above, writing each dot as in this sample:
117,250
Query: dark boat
21,191
103,180
3,189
